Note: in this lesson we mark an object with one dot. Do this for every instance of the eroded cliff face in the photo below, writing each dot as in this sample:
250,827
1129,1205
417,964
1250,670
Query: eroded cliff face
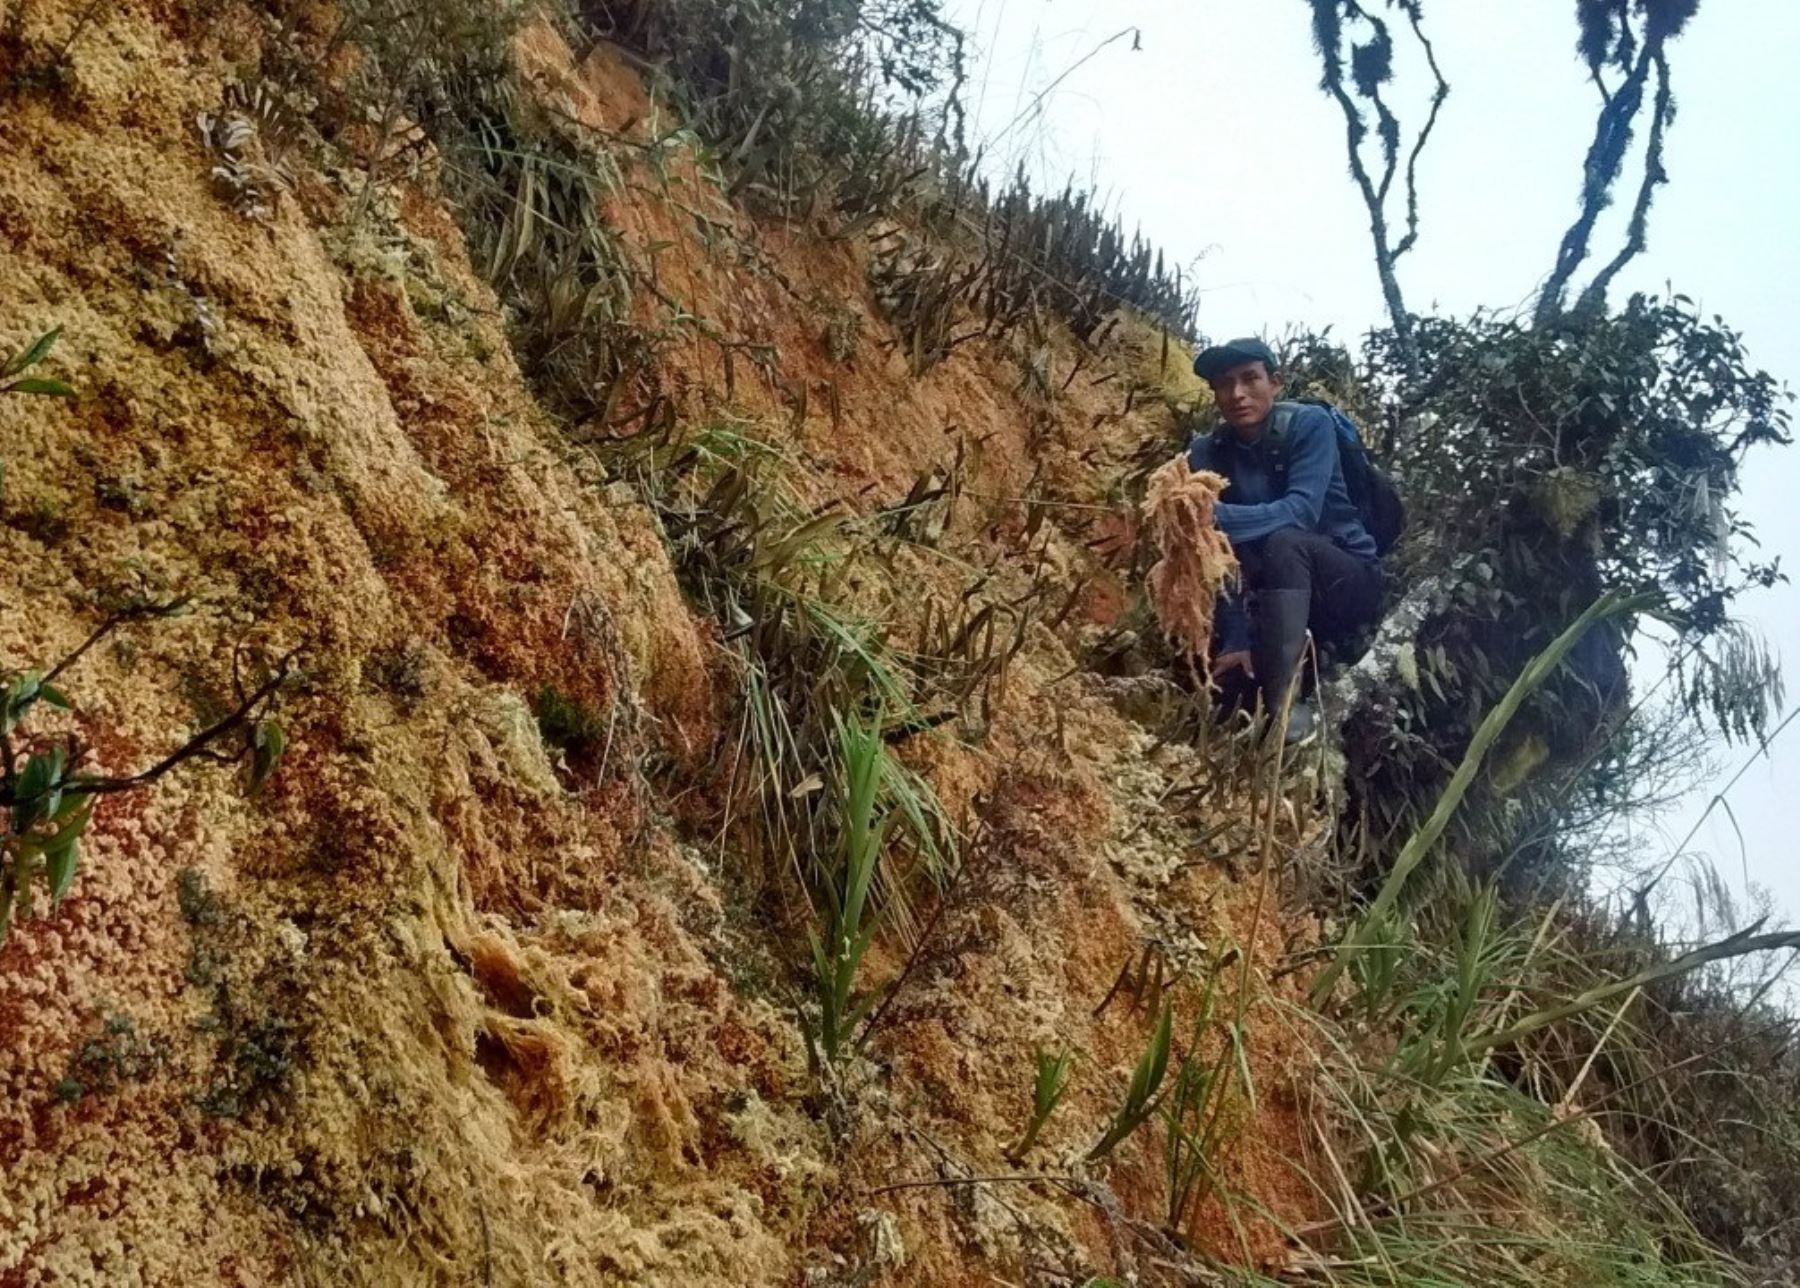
440,1004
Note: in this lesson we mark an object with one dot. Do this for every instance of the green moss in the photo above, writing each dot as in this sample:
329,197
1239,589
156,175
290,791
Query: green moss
567,724
114,1057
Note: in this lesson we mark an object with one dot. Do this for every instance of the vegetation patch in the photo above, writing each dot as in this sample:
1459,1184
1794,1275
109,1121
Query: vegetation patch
112,1059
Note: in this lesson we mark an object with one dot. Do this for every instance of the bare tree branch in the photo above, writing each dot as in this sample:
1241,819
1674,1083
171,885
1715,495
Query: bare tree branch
1439,93
1370,67
1605,159
1655,175
1609,40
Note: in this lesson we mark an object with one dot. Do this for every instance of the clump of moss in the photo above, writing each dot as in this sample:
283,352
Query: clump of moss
117,1055
199,905
255,1062
568,724
257,1048
400,670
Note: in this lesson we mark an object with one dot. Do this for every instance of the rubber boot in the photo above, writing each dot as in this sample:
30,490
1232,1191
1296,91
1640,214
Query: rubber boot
1280,647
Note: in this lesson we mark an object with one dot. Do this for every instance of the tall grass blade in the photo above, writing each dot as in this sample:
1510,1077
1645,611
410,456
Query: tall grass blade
1540,668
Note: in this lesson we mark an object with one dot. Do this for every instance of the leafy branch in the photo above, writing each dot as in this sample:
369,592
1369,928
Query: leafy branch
49,803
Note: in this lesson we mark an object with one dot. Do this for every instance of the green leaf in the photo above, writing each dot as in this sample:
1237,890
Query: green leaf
52,696
267,744
21,883
60,861
71,801
30,357
70,819
24,690
38,793
43,387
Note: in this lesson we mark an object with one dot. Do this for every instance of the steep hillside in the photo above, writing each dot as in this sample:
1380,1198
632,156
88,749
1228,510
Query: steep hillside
593,577
486,985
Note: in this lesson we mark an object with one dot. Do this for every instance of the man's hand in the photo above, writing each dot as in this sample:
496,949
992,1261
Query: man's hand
1226,663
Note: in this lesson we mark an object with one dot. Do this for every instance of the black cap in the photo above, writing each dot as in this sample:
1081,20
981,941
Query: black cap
1222,357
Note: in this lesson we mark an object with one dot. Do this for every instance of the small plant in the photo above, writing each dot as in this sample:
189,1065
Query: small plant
48,801
1376,969
1047,1090
774,575
249,138
1195,1110
13,379
1140,1096
920,293
848,927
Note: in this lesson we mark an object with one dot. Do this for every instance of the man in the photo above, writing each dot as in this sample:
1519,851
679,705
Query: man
1307,559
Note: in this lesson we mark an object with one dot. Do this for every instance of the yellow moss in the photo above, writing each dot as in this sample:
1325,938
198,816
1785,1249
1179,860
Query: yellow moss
1196,560
1519,762
1159,362
1564,499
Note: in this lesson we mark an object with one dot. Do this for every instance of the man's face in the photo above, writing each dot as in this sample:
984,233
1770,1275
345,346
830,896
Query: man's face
1245,394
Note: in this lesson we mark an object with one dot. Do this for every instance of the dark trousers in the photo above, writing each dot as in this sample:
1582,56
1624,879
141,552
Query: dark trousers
1344,592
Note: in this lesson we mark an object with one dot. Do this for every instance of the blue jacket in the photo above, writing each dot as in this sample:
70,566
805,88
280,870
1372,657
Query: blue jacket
1315,499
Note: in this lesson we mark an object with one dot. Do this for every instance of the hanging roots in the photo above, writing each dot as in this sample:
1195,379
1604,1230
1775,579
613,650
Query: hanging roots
1196,562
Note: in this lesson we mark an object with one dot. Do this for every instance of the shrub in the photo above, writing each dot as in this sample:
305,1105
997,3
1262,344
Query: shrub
1605,449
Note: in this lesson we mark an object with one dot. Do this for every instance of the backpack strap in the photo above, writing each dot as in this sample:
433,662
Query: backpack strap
1278,442
1275,447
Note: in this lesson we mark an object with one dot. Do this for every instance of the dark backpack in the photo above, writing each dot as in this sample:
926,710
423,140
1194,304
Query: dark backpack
1372,492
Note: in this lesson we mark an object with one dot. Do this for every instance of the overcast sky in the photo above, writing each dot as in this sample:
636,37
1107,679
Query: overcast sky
1213,135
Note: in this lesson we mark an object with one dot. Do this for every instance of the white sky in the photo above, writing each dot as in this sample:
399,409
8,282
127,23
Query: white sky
1216,138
